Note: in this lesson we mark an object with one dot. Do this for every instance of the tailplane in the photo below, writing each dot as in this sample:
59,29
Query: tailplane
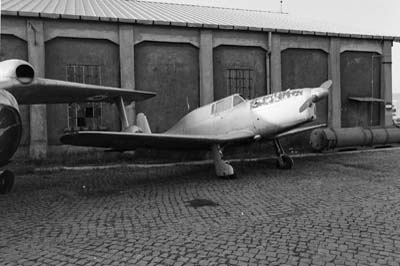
141,122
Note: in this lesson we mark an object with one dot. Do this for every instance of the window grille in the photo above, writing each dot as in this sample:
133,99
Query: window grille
84,116
240,81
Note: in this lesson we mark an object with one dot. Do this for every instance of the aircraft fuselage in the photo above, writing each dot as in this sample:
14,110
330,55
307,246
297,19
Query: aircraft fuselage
265,116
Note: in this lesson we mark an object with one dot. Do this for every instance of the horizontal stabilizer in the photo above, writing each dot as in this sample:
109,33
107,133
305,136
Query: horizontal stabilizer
48,91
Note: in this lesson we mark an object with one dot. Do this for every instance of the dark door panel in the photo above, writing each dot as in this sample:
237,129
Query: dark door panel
360,77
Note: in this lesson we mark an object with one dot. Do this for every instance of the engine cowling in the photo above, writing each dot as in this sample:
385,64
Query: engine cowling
10,126
17,69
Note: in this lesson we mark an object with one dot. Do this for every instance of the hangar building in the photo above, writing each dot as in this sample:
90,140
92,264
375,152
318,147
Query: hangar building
189,55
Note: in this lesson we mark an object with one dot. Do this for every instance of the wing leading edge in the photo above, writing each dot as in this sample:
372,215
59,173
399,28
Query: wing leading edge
123,141
48,91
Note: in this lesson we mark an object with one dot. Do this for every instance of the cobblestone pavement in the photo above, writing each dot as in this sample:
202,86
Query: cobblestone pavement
340,209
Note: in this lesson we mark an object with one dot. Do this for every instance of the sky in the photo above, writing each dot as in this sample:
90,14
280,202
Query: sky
380,16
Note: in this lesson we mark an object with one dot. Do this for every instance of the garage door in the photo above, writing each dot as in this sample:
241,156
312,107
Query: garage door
360,84
172,71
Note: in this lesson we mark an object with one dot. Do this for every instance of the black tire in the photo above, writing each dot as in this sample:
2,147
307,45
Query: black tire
6,181
284,162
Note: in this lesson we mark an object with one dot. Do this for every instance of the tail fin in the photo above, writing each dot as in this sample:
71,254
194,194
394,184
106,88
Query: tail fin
142,123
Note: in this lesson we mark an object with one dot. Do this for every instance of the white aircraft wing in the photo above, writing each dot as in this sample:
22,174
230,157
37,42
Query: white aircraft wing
123,141
47,91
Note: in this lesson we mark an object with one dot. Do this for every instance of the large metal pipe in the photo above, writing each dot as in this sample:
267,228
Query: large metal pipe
330,138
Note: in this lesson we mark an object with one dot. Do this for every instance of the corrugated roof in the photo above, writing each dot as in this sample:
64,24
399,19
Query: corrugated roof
157,13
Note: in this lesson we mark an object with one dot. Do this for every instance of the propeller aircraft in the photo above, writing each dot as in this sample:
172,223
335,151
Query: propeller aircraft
231,120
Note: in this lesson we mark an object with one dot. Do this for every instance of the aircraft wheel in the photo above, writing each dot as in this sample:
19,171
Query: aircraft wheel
284,162
6,181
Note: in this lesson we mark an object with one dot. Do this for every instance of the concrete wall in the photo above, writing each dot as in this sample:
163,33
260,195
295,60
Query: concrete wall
184,65
13,47
61,52
306,68
239,57
172,71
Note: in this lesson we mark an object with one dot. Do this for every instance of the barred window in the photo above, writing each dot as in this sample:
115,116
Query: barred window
240,81
84,116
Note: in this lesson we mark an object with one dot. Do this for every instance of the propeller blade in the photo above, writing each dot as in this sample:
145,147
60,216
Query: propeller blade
326,85
306,104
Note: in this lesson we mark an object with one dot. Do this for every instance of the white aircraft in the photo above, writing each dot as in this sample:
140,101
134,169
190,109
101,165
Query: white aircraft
231,120
18,85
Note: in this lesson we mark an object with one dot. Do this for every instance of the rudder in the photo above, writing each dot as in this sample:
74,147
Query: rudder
141,121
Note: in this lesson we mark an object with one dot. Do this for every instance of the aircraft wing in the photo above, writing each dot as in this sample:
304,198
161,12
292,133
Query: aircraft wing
47,91
123,141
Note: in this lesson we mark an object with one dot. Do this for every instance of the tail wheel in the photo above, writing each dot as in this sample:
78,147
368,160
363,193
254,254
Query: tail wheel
6,181
284,162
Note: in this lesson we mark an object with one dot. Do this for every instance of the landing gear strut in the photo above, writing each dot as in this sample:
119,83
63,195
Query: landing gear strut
222,168
283,161
6,181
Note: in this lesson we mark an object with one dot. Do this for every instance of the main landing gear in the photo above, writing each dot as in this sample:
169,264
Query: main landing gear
222,168
283,161
6,181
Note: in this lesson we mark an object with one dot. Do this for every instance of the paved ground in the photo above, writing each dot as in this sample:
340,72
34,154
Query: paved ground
342,209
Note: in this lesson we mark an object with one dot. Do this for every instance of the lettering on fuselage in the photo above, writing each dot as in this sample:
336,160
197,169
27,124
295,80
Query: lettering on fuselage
274,98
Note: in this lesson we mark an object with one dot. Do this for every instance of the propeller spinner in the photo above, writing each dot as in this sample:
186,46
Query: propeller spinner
317,94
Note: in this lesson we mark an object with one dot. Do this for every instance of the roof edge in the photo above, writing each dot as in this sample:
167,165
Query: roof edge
214,7
196,25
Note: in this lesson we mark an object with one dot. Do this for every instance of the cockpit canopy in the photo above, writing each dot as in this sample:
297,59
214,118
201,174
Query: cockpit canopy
226,103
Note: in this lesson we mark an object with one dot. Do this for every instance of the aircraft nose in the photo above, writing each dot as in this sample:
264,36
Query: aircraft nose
10,132
317,94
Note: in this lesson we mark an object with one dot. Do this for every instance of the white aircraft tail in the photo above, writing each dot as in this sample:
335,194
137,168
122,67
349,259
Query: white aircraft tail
142,123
